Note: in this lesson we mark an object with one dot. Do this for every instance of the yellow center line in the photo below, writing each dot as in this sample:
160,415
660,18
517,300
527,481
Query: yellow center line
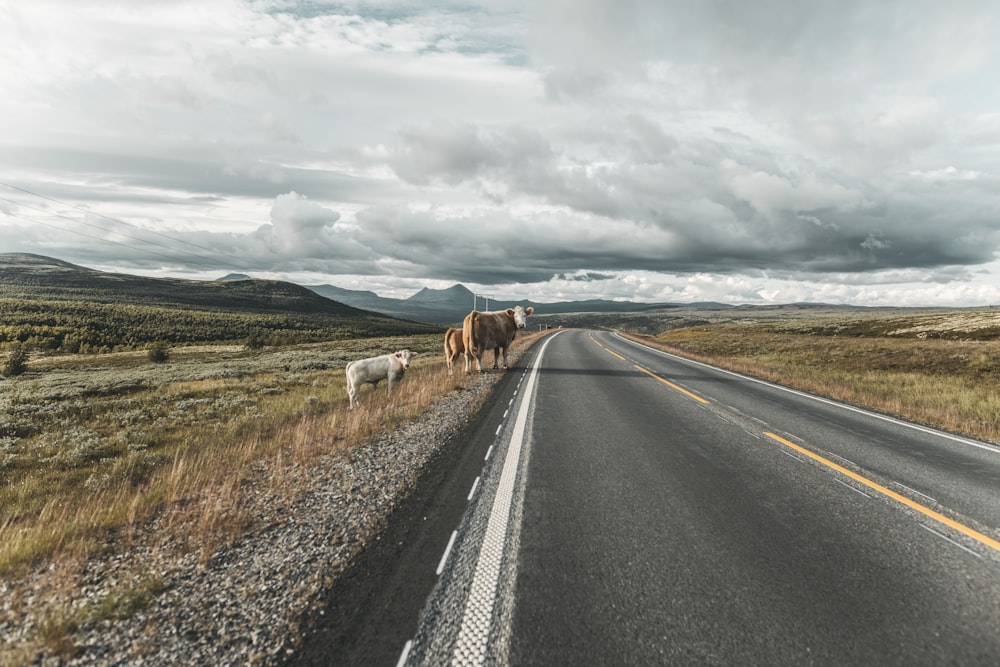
671,384
650,373
926,511
606,348
613,353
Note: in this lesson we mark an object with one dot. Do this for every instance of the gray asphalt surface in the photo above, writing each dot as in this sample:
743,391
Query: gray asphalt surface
655,520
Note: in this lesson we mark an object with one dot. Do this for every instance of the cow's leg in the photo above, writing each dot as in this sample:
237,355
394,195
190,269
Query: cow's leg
468,361
352,394
504,357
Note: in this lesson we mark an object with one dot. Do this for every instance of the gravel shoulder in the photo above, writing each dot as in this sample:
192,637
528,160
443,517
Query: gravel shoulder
245,604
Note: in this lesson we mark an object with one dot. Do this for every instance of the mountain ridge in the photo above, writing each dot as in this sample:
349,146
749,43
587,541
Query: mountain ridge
25,275
39,276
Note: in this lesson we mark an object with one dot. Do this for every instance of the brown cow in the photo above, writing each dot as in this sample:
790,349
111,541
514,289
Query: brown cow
454,346
483,331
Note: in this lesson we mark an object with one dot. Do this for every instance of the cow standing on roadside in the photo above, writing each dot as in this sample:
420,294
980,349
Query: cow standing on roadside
482,331
389,367
454,346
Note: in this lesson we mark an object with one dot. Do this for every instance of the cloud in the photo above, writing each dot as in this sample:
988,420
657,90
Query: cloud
756,151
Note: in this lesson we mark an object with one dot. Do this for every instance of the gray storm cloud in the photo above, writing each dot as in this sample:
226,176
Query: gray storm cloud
709,145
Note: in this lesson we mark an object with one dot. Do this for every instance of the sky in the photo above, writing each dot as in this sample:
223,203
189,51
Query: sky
764,152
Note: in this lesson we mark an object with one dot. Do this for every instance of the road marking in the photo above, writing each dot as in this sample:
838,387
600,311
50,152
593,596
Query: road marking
489,451
875,486
612,352
948,539
855,490
649,373
847,461
870,413
447,551
792,456
912,490
472,491
605,347
477,617
672,385
405,654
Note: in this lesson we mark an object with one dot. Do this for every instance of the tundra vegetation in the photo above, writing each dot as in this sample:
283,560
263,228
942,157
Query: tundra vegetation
92,443
95,448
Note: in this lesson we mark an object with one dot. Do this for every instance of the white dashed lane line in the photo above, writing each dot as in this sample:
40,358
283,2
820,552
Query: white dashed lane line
949,540
447,551
840,481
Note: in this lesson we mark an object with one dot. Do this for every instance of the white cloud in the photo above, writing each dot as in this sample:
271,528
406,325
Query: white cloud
689,151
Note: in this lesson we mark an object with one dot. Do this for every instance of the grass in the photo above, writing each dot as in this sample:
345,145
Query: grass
89,444
941,369
96,448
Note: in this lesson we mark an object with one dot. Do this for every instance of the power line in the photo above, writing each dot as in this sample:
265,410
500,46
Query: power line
111,231
241,266
91,236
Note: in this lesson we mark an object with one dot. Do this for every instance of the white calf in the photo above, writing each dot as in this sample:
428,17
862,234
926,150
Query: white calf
386,367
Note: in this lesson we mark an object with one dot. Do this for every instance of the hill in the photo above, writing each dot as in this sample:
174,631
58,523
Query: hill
46,302
36,277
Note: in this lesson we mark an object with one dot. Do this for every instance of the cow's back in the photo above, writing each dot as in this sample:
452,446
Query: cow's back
484,331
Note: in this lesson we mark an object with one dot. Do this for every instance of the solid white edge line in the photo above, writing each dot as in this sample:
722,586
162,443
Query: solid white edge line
472,491
447,552
405,654
899,422
477,616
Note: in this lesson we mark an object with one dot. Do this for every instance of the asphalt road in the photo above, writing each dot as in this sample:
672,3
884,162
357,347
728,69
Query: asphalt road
634,508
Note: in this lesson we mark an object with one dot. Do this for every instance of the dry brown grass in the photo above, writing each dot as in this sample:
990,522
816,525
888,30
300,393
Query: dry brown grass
892,365
95,451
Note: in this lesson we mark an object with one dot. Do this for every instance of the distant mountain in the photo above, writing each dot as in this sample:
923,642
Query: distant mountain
34,276
456,296
433,306
361,299
449,306
234,276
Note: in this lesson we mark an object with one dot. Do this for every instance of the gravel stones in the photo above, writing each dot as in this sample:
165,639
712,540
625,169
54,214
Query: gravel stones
242,606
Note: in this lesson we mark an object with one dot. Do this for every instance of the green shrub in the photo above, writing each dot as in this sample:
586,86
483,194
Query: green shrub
158,352
17,363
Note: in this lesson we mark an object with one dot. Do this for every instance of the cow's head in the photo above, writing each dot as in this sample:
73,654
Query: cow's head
520,315
404,357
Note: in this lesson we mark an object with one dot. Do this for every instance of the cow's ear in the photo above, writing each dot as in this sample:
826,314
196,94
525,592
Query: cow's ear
529,310
399,355
510,311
